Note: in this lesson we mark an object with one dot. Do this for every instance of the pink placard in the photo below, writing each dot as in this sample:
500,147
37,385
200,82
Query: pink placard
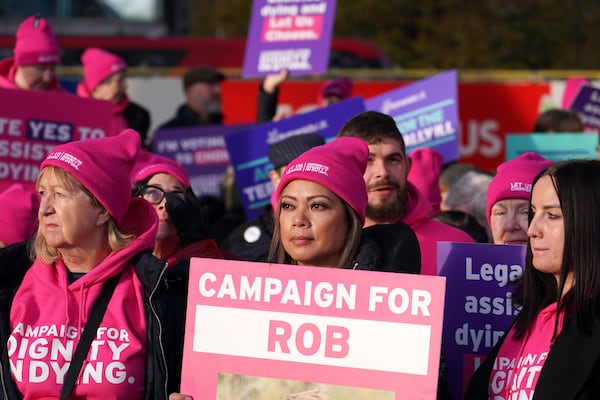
32,123
357,331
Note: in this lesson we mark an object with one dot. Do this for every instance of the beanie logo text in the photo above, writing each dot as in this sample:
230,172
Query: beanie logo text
67,158
520,187
308,167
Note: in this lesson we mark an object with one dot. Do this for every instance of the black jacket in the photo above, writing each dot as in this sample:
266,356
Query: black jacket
165,294
571,371
137,118
251,240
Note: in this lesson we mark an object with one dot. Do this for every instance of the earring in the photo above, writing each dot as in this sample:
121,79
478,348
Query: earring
98,222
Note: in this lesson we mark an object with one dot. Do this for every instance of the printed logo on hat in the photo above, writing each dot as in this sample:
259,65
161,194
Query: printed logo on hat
308,167
67,158
520,187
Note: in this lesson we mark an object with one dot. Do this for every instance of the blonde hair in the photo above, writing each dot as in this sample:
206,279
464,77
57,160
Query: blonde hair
116,239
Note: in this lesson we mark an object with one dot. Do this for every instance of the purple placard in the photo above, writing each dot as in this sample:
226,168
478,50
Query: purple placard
200,150
248,149
479,305
292,34
426,113
587,105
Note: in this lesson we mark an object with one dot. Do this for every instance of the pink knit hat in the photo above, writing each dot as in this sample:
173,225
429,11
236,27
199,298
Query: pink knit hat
340,87
514,179
18,213
338,165
425,172
98,65
149,164
103,166
35,43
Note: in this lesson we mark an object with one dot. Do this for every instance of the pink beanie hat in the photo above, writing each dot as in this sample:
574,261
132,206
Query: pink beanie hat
425,172
149,164
338,165
340,87
98,65
35,43
514,179
18,213
103,166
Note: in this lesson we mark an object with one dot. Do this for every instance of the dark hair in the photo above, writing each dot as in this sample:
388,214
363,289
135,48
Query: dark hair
372,127
577,184
557,120
277,253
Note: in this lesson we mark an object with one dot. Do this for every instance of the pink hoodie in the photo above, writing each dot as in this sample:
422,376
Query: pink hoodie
118,123
419,216
7,77
519,362
48,315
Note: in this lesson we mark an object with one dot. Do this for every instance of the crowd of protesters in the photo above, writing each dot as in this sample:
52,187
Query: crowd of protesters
115,223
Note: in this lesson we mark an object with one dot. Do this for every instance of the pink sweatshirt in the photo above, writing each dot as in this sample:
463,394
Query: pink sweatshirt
419,216
48,315
519,362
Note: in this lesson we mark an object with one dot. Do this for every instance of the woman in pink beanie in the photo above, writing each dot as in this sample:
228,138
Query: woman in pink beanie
165,184
36,56
321,202
104,79
93,241
507,201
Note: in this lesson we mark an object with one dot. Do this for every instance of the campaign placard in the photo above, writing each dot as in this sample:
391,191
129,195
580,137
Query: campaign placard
32,123
333,328
426,113
294,34
479,305
248,149
201,151
587,105
553,146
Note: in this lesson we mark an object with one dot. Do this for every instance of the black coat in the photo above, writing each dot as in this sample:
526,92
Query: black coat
186,117
571,371
165,295
137,118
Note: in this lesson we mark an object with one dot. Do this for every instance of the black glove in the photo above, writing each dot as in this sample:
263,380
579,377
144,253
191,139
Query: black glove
188,217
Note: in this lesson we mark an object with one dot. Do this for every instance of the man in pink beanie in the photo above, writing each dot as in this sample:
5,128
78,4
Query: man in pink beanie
104,79
507,203
36,56
18,213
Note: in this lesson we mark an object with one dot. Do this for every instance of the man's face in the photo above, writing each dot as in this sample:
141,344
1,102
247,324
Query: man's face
205,98
35,77
385,177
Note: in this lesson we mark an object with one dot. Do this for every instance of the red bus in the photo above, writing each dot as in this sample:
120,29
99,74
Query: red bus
185,52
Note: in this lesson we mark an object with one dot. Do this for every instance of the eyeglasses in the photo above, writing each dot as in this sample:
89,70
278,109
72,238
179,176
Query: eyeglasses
155,195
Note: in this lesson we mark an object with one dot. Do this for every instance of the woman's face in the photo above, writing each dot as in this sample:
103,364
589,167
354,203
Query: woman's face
547,230
508,221
313,224
112,88
67,217
166,182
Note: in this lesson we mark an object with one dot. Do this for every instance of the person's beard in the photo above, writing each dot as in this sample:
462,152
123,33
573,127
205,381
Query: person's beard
389,212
